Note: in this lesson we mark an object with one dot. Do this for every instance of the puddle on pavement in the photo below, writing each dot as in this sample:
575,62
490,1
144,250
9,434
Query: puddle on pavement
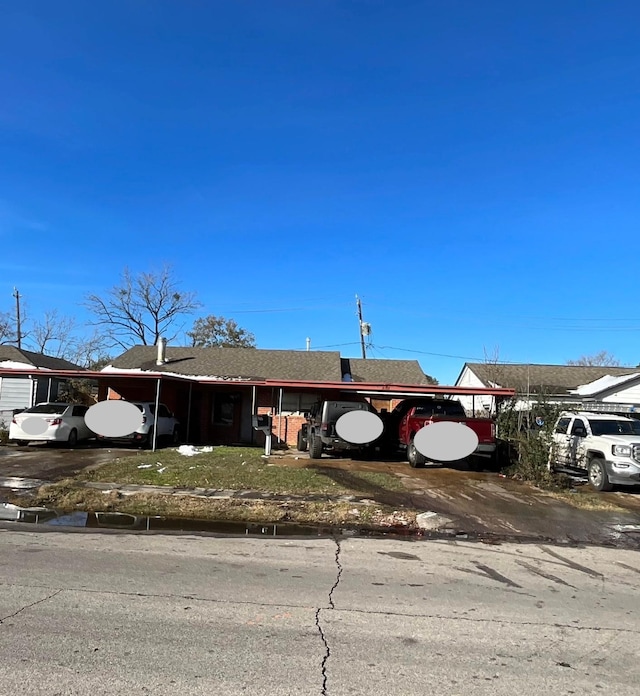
118,520
46,518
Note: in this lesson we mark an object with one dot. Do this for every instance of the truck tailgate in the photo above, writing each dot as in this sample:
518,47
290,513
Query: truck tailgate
484,428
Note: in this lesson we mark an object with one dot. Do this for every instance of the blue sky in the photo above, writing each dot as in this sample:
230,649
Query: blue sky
469,169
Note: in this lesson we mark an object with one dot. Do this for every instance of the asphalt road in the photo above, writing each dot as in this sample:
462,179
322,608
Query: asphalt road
112,614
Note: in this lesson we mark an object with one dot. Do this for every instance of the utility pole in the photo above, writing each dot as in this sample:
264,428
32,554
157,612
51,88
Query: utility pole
16,294
365,329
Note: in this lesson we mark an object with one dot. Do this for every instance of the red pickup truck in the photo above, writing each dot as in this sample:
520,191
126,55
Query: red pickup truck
410,415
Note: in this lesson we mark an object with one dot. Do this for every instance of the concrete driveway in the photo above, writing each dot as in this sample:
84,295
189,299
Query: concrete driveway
490,504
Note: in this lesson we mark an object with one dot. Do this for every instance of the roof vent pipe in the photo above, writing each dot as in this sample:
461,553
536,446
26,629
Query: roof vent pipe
162,347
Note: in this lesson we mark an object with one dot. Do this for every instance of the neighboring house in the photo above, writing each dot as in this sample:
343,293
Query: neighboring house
215,391
22,391
574,385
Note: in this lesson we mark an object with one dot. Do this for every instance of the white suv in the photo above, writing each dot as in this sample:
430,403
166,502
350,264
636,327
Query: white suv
604,446
168,426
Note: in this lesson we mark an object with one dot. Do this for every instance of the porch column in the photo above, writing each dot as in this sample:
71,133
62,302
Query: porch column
189,414
155,416
280,416
254,401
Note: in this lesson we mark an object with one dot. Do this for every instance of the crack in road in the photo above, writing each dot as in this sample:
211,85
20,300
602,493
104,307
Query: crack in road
33,604
332,606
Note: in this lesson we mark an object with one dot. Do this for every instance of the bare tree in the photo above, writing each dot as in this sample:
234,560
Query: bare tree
90,352
217,331
141,308
53,335
7,329
601,359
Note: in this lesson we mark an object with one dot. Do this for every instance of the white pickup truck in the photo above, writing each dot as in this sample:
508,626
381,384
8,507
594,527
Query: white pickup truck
604,446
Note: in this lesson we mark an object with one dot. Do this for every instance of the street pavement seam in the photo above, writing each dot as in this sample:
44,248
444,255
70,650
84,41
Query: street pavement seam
33,604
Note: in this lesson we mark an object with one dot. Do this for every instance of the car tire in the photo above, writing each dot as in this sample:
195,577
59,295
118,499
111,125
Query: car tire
73,439
149,441
416,460
598,477
22,443
315,447
302,443
175,436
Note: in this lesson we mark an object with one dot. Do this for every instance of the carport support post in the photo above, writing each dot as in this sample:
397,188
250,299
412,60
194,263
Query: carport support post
280,416
155,416
49,391
189,414
253,408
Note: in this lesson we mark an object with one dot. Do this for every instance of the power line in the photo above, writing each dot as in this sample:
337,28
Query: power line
446,355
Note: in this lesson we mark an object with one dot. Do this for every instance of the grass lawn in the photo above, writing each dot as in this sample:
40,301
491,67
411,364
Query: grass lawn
234,468
240,468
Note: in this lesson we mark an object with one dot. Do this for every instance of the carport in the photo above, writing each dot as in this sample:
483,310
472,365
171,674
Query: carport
263,395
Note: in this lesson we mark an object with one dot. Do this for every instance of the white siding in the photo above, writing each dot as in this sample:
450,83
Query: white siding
631,395
15,392
468,378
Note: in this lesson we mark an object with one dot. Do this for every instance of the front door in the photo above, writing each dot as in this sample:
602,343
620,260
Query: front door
226,412
576,451
560,443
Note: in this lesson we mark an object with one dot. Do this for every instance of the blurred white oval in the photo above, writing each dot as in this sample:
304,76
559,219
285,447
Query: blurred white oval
446,441
113,418
34,425
359,427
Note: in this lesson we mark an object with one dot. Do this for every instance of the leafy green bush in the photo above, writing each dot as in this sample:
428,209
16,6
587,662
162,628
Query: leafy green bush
4,437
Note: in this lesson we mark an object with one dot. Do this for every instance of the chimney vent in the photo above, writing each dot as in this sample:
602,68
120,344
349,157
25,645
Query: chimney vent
162,347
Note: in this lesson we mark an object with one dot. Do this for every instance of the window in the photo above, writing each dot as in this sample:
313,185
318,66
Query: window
614,427
163,411
578,424
48,409
223,407
440,409
79,411
294,402
563,425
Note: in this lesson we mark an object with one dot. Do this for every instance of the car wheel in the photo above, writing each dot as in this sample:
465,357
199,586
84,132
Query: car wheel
73,439
598,477
416,460
22,443
149,441
175,437
315,447
302,442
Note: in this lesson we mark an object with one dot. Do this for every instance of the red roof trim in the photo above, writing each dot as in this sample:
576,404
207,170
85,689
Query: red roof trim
382,388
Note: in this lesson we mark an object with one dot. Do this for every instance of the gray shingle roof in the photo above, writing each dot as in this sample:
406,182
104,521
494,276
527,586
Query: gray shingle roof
258,363
556,379
386,371
249,363
36,359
